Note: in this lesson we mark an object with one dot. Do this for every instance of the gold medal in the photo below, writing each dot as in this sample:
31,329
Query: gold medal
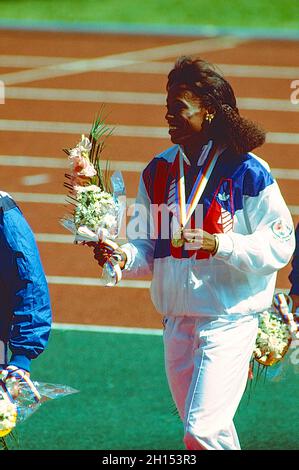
177,240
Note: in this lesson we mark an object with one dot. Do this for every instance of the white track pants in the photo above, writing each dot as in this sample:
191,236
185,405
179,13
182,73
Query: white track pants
206,364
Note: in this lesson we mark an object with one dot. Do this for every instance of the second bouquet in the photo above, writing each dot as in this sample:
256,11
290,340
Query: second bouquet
96,200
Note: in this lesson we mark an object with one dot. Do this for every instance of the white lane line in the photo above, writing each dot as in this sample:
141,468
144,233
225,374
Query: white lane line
153,132
231,70
24,161
40,198
267,104
116,60
47,198
127,166
294,209
36,180
53,238
285,173
119,97
53,162
79,128
282,138
32,61
62,70
259,71
92,281
107,329
89,96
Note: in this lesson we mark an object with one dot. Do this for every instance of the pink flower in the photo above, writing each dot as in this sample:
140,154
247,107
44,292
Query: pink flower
77,163
82,167
88,169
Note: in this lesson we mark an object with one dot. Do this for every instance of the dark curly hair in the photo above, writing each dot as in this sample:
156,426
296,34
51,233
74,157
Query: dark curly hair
216,94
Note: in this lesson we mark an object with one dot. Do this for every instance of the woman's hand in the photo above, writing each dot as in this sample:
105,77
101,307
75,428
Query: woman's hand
13,377
200,239
103,252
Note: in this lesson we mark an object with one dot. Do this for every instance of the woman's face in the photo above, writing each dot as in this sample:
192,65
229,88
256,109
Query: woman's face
185,115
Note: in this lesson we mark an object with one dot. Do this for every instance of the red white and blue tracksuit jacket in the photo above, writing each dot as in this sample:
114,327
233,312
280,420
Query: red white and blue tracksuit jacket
25,309
243,205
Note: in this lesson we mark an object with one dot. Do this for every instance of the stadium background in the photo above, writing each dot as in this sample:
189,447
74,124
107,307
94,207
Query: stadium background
59,61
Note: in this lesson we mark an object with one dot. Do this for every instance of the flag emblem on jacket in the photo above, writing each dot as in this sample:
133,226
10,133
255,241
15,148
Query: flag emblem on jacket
224,199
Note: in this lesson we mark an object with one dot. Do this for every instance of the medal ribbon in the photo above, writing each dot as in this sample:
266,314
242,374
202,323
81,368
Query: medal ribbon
197,190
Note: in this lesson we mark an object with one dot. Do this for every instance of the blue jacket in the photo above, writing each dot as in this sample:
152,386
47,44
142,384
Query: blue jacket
294,275
25,309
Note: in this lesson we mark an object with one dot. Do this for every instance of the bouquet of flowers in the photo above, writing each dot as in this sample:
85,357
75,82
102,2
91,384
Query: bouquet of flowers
20,397
8,414
97,200
273,339
277,329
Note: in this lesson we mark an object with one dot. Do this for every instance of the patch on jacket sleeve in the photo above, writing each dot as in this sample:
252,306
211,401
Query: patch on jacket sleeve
282,230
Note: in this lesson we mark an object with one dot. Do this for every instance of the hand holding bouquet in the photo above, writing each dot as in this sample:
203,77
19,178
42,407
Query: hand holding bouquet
277,330
98,200
20,397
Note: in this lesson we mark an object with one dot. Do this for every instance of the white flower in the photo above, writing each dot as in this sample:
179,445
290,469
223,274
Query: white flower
109,220
91,188
74,153
96,209
85,144
8,414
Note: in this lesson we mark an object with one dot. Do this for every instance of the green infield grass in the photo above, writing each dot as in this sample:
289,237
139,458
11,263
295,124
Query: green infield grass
229,13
